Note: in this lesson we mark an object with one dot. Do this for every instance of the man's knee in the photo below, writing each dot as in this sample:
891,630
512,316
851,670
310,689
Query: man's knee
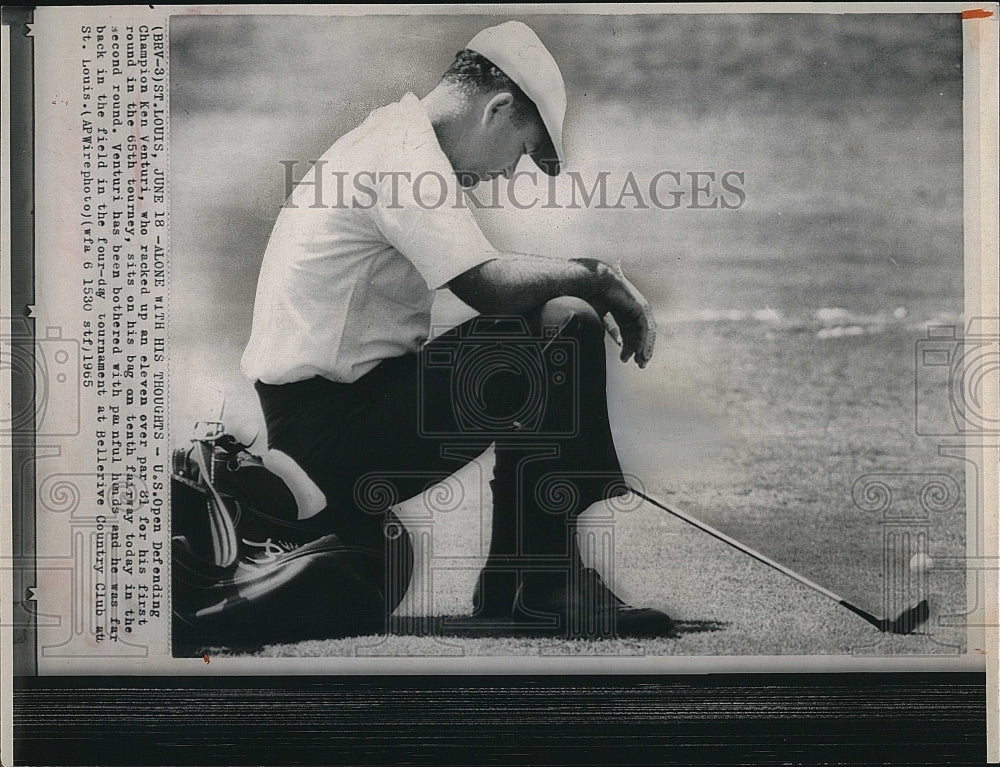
571,315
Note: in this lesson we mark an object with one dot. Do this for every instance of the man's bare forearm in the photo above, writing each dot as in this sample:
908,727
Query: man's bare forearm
518,282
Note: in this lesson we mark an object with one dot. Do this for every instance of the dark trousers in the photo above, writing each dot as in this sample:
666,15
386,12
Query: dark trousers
533,386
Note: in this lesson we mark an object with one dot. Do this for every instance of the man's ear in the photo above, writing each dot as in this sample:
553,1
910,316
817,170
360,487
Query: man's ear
500,104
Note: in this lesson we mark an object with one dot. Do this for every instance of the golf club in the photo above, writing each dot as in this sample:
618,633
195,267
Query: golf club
905,623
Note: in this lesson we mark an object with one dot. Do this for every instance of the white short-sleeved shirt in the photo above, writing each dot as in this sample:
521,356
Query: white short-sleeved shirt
347,285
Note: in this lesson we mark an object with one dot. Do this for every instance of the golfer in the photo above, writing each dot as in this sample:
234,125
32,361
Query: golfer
357,398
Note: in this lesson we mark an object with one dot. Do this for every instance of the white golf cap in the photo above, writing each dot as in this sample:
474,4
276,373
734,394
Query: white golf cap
517,51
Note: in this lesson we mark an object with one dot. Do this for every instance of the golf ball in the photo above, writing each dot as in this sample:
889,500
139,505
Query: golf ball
921,562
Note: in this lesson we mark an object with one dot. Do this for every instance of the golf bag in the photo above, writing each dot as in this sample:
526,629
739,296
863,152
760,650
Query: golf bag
244,574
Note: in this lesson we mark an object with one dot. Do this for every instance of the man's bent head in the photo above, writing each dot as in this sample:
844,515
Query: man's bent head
501,98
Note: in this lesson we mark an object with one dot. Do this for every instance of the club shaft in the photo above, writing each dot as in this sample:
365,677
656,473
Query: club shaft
881,624
750,552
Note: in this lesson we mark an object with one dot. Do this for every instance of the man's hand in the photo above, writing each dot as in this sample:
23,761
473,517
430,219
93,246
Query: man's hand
518,282
631,323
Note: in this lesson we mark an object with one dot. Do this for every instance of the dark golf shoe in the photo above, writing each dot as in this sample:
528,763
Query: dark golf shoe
581,606
278,591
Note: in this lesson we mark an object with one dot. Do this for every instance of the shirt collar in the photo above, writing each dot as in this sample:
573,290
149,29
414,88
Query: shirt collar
418,125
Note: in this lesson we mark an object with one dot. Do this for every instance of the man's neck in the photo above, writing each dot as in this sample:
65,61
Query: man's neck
449,115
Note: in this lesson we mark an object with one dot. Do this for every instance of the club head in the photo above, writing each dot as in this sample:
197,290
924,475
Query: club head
909,620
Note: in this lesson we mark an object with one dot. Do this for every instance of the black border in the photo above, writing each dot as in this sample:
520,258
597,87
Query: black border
614,720
855,718
22,295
